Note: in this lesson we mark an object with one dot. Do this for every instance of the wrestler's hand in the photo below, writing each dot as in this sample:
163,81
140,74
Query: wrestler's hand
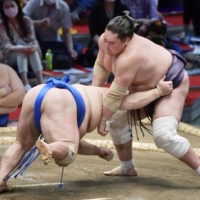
165,87
105,153
8,88
4,91
102,129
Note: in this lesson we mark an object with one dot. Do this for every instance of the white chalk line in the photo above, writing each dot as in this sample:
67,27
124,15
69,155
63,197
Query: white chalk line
35,185
98,199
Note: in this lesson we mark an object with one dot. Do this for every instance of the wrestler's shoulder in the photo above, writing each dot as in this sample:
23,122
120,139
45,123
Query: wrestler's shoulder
127,58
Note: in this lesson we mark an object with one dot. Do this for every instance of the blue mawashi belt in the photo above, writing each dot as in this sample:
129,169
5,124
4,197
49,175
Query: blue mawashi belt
59,83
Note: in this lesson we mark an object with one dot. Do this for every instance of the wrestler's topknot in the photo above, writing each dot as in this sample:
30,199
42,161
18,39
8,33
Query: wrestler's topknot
122,25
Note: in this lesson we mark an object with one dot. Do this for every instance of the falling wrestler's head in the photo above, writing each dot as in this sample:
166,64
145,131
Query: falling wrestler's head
120,28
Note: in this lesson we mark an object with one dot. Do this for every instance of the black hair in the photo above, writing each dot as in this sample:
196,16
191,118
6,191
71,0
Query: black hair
19,17
158,27
122,25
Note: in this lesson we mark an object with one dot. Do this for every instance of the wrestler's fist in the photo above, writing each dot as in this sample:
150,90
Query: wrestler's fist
102,130
165,87
105,153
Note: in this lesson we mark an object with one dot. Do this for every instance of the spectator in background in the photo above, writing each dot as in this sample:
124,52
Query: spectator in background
191,12
11,93
48,16
79,9
99,16
144,12
18,43
157,33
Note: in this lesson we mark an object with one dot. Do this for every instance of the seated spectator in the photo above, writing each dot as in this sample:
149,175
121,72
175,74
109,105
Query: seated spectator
144,11
48,16
99,16
18,43
157,33
191,13
79,10
11,93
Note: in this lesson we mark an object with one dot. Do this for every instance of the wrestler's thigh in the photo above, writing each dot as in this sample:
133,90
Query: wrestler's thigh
172,105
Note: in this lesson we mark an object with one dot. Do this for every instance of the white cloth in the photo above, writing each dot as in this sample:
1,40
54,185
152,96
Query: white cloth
166,137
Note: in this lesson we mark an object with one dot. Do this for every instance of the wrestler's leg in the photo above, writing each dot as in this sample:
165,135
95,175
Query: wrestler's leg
123,147
127,167
13,155
175,103
60,131
58,150
86,148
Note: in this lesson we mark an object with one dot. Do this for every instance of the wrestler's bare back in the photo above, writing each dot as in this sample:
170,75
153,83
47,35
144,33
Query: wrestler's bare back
59,114
140,58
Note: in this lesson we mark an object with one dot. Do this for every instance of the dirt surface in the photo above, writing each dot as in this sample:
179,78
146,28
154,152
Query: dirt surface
160,177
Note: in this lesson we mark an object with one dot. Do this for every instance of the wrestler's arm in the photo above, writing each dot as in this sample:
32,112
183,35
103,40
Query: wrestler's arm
124,75
141,99
16,97
100,74
86,148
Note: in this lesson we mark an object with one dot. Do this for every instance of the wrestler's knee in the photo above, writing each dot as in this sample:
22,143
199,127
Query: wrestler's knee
166,137
70,158
119,128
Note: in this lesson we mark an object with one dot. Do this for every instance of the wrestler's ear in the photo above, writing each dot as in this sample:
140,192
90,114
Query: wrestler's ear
126,40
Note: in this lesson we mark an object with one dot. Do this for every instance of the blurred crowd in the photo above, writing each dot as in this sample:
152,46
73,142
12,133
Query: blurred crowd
28,28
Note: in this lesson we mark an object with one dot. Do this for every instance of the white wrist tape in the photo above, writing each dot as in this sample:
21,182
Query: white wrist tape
113,98
159,90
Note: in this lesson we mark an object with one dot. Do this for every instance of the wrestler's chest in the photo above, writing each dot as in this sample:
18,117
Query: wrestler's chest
109,64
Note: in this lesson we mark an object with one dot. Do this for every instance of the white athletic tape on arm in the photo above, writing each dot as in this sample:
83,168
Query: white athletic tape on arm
99,69
113,98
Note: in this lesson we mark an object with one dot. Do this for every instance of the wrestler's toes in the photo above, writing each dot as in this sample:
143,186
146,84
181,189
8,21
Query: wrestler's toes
118,171
44,150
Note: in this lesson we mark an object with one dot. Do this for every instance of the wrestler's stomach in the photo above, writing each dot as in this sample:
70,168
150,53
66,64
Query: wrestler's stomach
150,81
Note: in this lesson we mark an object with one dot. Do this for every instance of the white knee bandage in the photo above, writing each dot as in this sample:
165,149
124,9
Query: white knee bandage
70,158
119,128
166,137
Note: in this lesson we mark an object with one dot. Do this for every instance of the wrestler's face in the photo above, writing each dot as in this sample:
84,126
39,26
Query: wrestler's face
113,45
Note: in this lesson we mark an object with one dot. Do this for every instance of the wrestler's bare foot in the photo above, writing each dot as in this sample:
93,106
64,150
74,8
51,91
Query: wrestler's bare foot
44,150
105,153
118,171
4,188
